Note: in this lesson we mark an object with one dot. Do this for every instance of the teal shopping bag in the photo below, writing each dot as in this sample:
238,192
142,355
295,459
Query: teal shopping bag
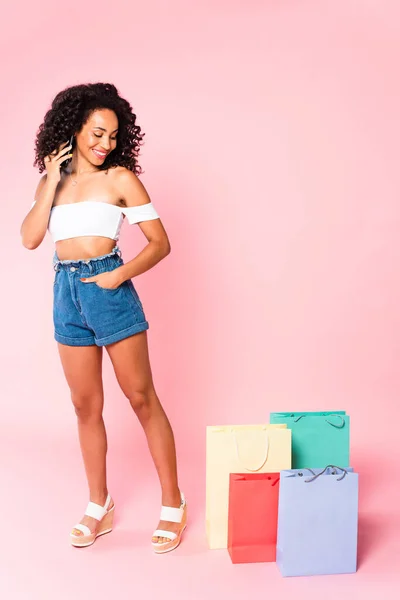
318,438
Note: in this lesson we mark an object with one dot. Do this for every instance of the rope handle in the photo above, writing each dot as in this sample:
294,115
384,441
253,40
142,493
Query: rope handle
334,472
243,478
340,426
238,454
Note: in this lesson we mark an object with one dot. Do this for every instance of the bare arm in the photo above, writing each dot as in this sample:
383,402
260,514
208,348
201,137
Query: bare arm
158,247
34,226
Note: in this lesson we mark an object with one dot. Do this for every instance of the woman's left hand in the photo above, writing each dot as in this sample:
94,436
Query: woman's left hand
110,280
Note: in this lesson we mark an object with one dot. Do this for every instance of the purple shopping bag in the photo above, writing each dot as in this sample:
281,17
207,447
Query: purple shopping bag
317,521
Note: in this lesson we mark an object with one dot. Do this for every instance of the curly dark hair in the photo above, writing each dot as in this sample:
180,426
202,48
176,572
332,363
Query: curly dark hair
71,109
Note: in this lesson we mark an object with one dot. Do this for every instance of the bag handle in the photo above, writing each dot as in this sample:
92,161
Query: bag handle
238,454
243,478
340,426
334,472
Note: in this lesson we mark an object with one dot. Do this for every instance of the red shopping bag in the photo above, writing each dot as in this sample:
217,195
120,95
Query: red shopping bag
253,517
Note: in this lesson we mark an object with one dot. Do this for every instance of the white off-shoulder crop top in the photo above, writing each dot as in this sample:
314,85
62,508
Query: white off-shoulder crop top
94,218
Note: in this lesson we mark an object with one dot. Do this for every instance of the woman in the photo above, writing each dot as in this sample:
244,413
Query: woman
90,185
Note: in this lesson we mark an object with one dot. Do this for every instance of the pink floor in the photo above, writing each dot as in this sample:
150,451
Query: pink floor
46,484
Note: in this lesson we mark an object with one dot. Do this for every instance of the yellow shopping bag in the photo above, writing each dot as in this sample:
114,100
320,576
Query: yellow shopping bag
239,449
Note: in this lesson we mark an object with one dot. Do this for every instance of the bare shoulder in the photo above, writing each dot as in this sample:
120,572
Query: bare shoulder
130,189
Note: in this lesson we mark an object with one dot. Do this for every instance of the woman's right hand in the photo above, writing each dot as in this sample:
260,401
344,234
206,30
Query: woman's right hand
53,161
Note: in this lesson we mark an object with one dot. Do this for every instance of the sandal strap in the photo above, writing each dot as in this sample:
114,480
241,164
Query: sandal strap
96,511
173,515
164,534
83,528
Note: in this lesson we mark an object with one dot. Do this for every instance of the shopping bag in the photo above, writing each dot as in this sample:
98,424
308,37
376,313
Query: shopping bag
317,521
318,438
253,517
239,449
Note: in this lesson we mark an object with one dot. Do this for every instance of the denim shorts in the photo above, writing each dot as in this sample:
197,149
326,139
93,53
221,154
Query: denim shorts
85,314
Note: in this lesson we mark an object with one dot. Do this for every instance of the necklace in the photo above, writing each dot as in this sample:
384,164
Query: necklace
75,181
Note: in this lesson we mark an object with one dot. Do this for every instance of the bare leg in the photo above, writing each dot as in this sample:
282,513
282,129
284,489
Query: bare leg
131,363
82,369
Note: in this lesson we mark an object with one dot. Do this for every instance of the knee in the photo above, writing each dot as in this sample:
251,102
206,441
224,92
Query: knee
142,402
88,408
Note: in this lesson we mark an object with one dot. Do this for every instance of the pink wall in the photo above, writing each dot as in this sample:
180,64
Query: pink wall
272,156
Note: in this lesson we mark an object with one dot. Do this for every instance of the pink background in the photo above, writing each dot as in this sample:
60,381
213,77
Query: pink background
272,149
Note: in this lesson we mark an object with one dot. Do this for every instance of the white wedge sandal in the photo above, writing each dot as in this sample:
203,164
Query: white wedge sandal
102,514
173,515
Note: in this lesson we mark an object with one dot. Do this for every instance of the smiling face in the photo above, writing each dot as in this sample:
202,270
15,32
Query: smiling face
98,136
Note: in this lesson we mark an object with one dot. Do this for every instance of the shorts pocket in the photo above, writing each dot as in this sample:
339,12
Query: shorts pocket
109,270
108,289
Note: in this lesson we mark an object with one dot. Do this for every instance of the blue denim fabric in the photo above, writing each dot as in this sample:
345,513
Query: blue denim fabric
84,314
